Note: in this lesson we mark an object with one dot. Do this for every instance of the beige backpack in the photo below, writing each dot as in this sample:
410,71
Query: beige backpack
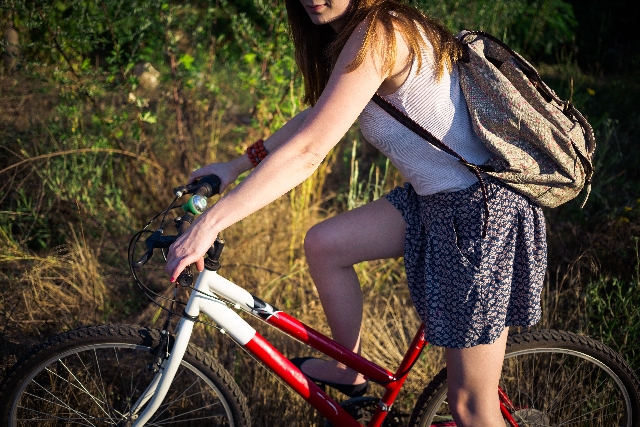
542,145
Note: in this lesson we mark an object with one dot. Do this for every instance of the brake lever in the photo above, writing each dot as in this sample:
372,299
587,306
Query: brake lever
156,241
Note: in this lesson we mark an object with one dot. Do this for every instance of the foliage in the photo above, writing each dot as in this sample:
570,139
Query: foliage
536,28
613,313
605,37
270,76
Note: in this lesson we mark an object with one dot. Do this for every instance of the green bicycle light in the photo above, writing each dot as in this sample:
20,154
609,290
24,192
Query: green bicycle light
196,205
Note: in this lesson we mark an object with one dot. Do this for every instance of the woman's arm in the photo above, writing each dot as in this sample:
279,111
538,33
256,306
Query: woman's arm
345,96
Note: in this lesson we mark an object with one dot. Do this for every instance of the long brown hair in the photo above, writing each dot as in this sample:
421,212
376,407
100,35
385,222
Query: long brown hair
317,46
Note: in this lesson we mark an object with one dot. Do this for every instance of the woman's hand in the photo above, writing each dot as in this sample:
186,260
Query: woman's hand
190,248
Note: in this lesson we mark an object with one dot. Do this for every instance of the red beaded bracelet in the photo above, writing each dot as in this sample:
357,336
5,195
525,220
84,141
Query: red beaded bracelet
257,152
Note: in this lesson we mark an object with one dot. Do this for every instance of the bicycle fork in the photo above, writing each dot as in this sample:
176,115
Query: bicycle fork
199,301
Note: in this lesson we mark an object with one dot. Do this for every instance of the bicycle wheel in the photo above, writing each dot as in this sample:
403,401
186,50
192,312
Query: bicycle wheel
92,376
553,378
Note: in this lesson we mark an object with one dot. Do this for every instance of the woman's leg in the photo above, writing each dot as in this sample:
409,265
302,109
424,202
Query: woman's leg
473,375
332,247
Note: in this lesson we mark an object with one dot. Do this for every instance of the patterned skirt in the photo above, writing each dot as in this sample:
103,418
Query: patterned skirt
465,288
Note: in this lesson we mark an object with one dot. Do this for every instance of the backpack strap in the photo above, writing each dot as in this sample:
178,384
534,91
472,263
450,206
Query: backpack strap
409,123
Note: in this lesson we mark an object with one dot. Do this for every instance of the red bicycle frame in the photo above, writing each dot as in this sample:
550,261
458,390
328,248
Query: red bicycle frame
313,394
201,300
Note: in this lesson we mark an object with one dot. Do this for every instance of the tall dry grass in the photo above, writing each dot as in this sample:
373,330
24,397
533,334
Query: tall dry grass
43,294
70,286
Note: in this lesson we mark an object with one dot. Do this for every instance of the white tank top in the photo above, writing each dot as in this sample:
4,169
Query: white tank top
440,108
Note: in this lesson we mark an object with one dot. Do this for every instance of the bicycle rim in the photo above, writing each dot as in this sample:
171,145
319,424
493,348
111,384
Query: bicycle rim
552,386
97,384
579,389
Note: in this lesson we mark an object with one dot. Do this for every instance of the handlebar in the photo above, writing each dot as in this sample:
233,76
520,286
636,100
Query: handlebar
206,186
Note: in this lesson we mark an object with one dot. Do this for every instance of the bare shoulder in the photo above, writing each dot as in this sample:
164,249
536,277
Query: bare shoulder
394,49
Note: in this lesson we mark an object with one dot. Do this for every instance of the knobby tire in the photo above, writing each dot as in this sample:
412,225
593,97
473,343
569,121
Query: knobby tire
553,378
92,376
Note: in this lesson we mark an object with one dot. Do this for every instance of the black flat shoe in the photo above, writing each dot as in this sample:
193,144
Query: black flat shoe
351,390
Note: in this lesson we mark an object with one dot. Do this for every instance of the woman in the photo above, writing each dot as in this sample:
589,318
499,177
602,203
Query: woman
467,289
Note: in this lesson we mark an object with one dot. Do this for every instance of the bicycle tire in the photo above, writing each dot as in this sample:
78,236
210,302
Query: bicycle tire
553,378
91,376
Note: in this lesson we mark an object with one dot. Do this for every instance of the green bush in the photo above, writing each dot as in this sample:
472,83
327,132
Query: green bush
613,315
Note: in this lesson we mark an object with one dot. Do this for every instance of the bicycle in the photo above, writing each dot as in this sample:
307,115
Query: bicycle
130,376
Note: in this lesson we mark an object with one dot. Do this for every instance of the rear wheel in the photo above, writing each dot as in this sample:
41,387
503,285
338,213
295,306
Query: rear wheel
93,376
553,378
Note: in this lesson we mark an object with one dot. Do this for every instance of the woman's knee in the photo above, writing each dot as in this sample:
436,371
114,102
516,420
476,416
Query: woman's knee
462,404
319,242
469,409
473,375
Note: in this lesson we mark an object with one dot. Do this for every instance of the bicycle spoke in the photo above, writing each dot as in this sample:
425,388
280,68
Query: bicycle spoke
131,386
63,403
165,421
567,382
552,376
186,398
577,403
141,372
67,381
57,404
49,417
573,420
82,386
115,353
93,383
124,387
168,404
556,401
184,421
104,391
89,375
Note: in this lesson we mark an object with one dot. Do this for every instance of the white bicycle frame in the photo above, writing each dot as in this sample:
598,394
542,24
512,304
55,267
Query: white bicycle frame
217,310
204,300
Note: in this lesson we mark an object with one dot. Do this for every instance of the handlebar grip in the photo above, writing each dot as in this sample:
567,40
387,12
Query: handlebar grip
208,185
185,222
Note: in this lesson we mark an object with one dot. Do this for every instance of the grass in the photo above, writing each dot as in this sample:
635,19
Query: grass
41,294
255,256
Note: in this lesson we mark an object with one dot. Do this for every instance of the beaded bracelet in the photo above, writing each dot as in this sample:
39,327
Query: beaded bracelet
257,152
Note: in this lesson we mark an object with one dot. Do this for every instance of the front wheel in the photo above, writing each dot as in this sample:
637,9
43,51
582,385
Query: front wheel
93,376
553,378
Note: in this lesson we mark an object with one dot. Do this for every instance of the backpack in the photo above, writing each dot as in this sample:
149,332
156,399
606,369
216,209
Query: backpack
542,146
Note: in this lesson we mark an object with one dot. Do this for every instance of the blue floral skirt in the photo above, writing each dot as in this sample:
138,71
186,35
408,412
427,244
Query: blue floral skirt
465,288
